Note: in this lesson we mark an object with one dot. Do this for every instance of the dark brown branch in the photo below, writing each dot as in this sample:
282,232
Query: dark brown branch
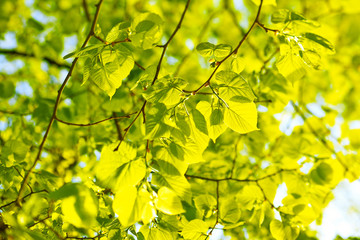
100,39
118,128
91,34
31,55
139,66
275,31
207,82
27,195
86,10
97,237
13,113
240,180
94,123
40,221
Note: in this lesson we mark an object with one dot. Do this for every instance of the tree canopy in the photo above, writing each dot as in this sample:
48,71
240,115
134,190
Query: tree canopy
167,119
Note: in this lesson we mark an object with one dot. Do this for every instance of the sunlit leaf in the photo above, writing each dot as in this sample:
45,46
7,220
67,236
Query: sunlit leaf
168,202
195,229
241,117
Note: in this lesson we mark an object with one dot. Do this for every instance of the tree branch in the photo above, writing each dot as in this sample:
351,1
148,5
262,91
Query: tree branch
86,10
31,55
240,180
118,128
87,39
13,112
27,195
94,123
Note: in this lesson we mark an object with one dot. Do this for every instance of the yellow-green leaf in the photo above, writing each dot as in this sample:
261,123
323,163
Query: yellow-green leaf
241,117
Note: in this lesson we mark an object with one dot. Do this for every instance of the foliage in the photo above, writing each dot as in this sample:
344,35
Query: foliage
168,120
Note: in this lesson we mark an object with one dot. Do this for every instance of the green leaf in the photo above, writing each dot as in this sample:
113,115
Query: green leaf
168,168
132,206
241,117
87,70
166,90
280,16
322,174
168,202
14,148
86,51
79,204
283,231
284,16
146,30
229,211
297,17
199,121
118,168
195,230
7,89
205,49
320,40
232,86
110,68
159,234
221,51
214,118
178,184
238,65
205,203
118,32
249,195
200,139
291,66
155,126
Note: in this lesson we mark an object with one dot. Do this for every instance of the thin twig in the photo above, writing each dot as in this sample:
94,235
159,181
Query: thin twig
94,123
275,31
31,55
27,195
139,66
239,180
13,113
86,10
91,34
117,125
